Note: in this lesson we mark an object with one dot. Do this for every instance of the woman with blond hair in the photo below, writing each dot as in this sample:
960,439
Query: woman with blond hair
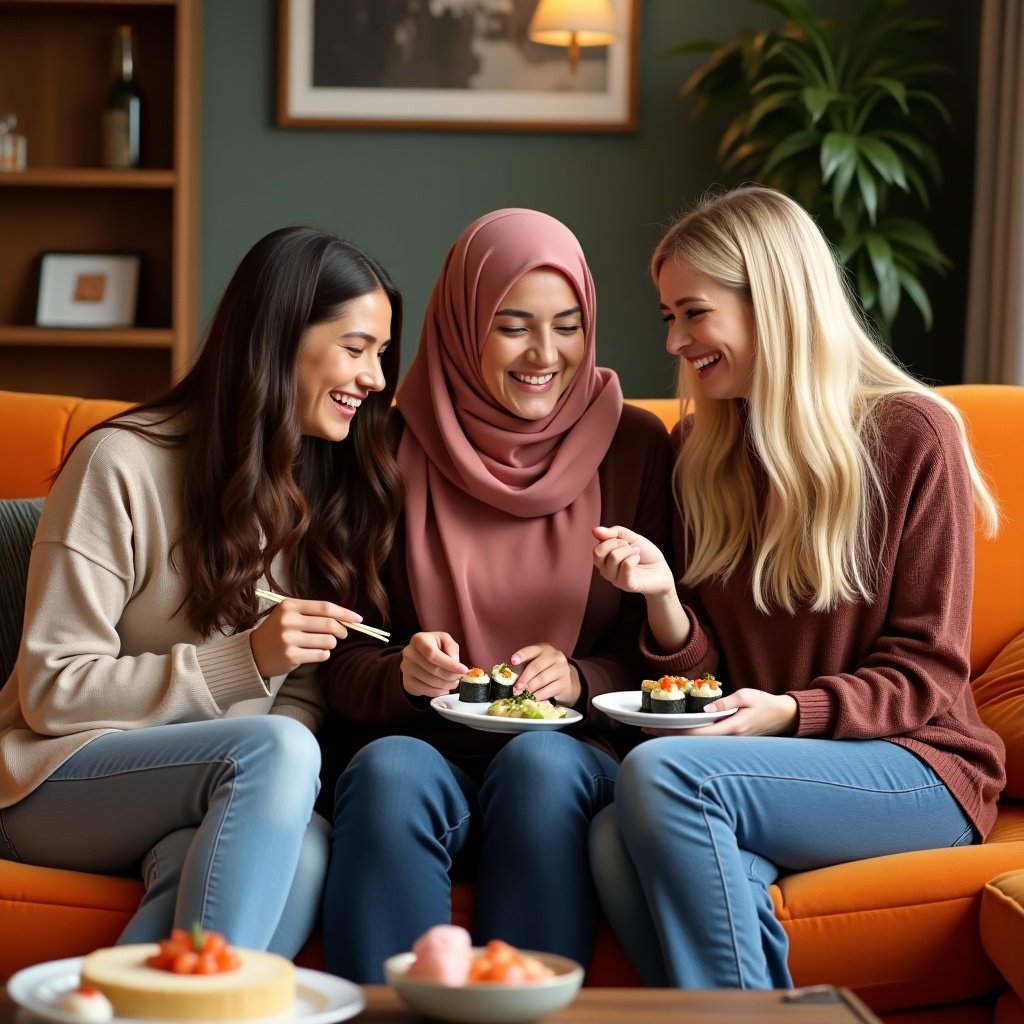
827,507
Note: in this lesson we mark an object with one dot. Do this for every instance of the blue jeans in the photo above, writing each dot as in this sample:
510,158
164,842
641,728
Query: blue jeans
215,815
701,827
404,816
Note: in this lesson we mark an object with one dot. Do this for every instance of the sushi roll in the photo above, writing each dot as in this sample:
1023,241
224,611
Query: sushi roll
502,681
475,686
702,692
670,695
645,693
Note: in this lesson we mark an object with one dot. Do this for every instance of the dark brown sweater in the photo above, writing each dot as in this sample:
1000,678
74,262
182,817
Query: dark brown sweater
364,678
897,668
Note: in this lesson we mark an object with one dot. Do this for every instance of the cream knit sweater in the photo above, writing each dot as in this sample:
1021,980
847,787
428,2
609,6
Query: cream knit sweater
105,644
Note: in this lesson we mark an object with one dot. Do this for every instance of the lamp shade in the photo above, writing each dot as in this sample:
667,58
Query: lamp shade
568,22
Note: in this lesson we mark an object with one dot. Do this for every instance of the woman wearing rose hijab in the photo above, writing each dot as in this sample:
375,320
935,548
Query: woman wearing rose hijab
514,444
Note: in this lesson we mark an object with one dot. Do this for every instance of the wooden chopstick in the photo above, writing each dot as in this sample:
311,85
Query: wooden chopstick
378,634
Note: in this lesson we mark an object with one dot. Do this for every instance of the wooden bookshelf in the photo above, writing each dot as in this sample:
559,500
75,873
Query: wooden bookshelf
55,58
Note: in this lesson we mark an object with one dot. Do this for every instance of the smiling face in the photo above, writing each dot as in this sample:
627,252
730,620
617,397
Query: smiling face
339,365
535,344
711,326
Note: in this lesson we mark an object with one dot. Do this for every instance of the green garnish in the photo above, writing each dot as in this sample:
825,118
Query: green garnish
197,936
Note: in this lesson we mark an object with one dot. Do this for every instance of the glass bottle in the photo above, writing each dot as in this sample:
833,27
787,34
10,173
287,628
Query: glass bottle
122,109
13,145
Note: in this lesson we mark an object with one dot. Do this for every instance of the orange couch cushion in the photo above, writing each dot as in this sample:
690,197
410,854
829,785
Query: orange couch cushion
994,414
46,913
1002,926
884,926
38,430
999,693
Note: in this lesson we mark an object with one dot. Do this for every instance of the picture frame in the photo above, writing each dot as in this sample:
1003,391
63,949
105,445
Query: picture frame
83,289
460,65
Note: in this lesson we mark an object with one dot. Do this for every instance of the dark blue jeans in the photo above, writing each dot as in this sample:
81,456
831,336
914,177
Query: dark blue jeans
404,816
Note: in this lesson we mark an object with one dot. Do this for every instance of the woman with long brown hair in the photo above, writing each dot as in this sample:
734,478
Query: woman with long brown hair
158,712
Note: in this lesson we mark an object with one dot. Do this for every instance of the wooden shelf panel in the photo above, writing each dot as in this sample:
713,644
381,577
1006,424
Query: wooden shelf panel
128,374
86,177
69,337
55,69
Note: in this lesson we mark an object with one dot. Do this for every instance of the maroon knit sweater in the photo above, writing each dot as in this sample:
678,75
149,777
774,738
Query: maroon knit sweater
897,668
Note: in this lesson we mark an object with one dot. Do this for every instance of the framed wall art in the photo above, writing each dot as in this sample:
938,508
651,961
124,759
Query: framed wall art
449,65
78,289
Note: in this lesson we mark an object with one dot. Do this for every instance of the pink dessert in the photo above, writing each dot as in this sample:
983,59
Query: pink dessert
443,955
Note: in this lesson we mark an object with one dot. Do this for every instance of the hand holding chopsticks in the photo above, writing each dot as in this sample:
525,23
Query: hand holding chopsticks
378,634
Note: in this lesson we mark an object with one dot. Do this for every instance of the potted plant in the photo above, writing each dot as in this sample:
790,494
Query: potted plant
841,118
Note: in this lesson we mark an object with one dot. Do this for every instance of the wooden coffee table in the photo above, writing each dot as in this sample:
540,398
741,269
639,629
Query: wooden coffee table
615,1005
661,1006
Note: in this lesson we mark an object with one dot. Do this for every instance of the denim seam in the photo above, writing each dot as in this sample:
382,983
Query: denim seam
725,889
454,828
217,838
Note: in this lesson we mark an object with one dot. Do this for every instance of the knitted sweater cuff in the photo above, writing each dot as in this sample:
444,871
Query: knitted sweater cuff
230,672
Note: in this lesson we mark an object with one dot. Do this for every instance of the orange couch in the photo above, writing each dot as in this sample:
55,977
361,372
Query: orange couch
931,936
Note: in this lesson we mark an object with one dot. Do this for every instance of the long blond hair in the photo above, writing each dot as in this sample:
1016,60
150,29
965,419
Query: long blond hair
818,374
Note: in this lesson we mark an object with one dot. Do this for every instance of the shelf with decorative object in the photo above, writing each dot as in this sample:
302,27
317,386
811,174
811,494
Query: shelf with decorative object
55,73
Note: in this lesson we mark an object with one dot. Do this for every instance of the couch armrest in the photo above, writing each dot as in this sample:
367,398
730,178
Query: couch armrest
1002,926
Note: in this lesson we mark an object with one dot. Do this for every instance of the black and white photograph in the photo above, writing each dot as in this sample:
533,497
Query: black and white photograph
458,64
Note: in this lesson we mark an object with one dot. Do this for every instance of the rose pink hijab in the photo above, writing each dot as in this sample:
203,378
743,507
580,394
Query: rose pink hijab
499,509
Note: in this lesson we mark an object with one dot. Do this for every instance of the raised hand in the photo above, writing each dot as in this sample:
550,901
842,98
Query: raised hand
631,562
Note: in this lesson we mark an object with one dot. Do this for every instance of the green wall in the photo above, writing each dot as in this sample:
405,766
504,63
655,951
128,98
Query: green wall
406,195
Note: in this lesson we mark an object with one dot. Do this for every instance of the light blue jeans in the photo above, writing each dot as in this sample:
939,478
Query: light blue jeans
701,826
215,815
404,816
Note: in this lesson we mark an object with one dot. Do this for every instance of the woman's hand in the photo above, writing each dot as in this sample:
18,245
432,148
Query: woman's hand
548,674
759,714
631,562
298,632
430,665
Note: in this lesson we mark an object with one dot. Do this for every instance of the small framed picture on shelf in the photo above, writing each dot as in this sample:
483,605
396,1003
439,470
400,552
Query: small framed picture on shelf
88,289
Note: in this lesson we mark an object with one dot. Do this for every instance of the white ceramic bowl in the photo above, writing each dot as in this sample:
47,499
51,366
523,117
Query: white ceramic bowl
488,1002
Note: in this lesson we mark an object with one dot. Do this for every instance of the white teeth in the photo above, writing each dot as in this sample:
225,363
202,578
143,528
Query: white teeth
346,400
529,379
699,364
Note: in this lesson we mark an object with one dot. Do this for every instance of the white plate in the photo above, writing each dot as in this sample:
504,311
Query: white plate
476,717
319,998
624,706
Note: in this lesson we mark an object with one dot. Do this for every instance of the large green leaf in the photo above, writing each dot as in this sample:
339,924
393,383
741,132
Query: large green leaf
837,148
816,100
913,287
789,147
895,88
884,158
796,56
799,12
911,234
868,187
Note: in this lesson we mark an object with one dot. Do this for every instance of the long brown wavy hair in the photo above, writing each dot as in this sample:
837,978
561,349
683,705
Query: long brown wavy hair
254,486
